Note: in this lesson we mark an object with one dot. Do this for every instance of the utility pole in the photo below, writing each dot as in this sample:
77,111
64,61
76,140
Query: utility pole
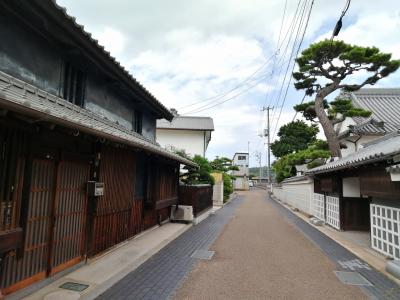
267,134
258,157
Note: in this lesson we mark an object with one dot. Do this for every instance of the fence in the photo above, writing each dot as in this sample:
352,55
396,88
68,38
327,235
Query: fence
332,211
318,206
199,196
385,230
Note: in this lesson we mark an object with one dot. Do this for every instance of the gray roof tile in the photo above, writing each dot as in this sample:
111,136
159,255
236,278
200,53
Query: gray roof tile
22,96
378,150
384,103
187,122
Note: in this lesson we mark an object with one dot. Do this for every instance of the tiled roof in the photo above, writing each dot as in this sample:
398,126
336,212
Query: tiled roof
384,103
393,169
21,96
381,149
191,123
297,178
52,5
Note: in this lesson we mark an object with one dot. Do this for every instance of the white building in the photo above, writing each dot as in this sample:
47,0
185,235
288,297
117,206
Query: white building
384,103
241,160
192,134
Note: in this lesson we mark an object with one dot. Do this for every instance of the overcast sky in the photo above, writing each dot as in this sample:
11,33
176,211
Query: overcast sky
186,52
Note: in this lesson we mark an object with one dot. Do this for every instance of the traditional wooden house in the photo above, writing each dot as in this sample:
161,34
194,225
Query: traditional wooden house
362,192
80,170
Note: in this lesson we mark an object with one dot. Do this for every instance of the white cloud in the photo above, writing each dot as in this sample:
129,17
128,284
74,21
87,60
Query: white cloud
184,51
112,40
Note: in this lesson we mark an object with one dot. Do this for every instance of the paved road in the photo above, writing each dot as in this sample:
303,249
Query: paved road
261,255
263,251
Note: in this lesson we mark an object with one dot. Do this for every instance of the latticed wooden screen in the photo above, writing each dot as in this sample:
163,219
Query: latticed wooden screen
385,232
332,211
319,206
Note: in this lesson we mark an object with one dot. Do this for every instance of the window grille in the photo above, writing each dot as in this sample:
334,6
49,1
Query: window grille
319,206
385,232
332,212
74,85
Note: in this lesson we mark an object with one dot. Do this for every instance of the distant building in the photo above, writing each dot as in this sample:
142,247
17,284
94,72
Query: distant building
192,134
241,160
384,103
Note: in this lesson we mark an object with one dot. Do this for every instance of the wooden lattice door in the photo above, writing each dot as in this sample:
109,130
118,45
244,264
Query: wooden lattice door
69,215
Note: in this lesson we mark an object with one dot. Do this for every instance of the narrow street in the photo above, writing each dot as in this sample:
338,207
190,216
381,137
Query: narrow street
260,255
262,251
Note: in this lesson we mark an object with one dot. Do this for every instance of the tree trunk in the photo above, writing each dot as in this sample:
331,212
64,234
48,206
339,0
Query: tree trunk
330,134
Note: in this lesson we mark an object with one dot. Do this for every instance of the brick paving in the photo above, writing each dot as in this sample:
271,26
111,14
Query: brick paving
159,276
382,287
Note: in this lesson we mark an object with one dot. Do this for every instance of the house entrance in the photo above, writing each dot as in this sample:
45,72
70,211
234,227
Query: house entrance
55,215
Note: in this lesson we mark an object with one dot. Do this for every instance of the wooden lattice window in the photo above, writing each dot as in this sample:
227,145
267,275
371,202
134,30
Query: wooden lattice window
74,85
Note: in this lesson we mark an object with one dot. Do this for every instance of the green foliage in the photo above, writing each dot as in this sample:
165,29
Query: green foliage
222,164
308,109
293,137
182,153
337,110
313,155
200,175
345,108
336,60
228,187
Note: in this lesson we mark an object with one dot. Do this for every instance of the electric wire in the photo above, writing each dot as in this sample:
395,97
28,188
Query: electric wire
291,56
294,64
226,100
218,96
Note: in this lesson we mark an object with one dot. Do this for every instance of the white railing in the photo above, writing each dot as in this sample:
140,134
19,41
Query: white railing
319,206
332,211
385,230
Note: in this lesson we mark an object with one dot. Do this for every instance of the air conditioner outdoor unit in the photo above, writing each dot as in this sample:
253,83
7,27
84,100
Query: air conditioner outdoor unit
182,213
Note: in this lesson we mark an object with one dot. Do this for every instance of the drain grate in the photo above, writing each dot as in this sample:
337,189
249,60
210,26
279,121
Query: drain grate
74,286
202,254
352,278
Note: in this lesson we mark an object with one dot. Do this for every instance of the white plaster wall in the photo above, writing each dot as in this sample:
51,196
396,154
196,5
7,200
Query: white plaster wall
299,194
351,147
218,193
278,193
241,183
192,141
351,187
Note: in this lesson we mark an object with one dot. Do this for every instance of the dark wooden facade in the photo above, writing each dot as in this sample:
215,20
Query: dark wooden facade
48,221
375,182
197,196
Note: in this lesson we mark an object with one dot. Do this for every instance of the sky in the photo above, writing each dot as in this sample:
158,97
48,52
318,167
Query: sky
226,59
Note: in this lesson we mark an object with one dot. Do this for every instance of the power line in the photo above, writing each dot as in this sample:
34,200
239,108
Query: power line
283,19
206,107
302,100
294,64
291,53
335,33
281,62
219,96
